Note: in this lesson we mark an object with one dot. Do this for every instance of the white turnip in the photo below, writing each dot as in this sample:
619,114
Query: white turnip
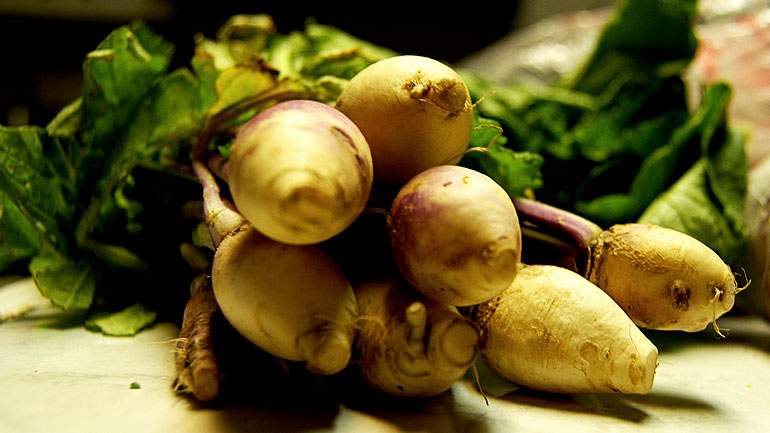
410,346
662,278
455,235
292,301
415,113
300,172
552,330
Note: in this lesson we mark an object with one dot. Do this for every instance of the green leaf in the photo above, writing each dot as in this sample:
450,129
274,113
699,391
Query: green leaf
18,238
661,168
241,82
689,208
30,180
516,172
67,284
117,76
171,111
643,37
124,323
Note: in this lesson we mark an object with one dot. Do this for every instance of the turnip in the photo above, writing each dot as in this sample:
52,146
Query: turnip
663,279
455,235
552,330
300,172
410,346
415,113
292,301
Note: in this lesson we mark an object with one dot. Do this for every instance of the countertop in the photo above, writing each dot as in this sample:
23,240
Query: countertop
60,377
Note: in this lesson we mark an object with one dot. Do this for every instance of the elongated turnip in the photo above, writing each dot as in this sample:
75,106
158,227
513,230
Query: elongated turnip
663,279
455,235
300,172
552,330
415,113
292,301
409,345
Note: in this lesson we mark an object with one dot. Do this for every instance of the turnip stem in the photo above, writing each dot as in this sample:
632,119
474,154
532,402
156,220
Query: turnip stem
221,219
558,228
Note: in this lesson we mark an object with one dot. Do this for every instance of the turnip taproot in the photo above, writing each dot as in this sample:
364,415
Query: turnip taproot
552,330
292,301
455,235
662,278
415,113
300,172
410,346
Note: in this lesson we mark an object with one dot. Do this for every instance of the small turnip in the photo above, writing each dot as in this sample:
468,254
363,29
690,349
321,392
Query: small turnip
455,235
292,301
415,113
552,330
411,346
300,172
662,278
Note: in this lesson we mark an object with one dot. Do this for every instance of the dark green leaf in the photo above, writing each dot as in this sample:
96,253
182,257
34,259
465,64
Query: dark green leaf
18,238
643,37
29,179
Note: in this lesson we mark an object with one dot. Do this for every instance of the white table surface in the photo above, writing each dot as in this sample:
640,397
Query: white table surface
58,378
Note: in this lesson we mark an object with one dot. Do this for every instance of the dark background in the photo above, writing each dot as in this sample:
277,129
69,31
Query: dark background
44,42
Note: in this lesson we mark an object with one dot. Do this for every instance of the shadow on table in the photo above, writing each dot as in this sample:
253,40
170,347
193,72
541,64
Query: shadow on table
751,331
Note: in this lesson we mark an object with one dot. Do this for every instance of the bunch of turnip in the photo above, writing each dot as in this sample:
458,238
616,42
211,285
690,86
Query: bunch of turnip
302,173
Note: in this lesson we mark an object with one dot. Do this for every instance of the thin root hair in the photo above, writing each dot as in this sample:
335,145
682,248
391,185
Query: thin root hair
477,379
717,294
746,278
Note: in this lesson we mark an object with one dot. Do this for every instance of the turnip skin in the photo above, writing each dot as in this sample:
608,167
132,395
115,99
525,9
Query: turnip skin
300,172
455,235
415,113
663,279
552,330
410,346
292,301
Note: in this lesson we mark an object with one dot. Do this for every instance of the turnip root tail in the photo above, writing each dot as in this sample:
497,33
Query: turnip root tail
326,351
663,279
197,367
424,347
552,330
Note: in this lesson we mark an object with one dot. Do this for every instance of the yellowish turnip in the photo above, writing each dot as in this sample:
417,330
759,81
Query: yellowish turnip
292,301
300,172
415,113
552,330
410,346
662,278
